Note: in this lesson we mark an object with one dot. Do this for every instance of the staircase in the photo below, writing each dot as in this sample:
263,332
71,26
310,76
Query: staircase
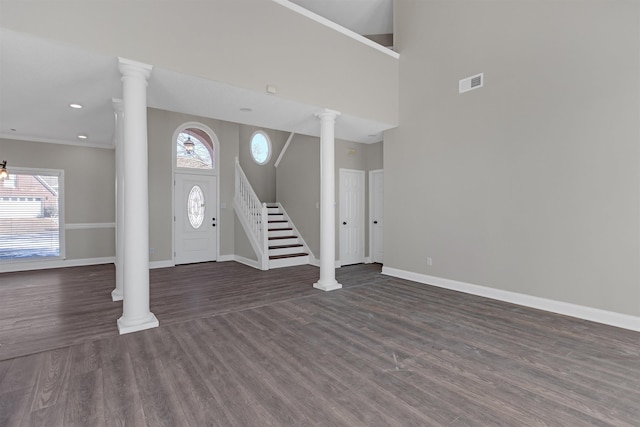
285,249
273,237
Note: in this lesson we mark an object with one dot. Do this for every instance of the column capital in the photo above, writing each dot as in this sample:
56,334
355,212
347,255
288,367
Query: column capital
129,68
328,114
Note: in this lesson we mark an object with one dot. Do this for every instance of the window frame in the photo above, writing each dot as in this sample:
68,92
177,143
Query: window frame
16,170
269,147
215,148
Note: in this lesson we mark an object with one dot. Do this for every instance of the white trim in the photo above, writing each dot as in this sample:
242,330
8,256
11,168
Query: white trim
284,149
89,225
247,261
161,264
54,263
324,21
225,258
367,260
611,318
106,146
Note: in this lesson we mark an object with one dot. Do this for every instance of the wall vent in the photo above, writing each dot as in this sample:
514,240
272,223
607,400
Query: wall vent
470,83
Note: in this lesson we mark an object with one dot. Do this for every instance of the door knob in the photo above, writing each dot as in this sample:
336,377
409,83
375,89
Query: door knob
213,225
344,223
375,222
213,219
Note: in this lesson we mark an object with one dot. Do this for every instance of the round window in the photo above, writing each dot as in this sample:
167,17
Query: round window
260,147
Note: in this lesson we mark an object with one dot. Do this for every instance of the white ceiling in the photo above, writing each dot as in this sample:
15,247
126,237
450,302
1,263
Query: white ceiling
39,79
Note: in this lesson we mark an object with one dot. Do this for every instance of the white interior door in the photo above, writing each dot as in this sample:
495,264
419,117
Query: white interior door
351,216
195,218
376,215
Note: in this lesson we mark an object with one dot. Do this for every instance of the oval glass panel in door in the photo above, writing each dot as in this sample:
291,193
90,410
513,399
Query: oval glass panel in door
195,206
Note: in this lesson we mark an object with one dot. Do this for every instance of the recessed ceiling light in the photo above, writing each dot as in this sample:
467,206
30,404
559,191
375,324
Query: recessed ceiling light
76,106
82,136
246,109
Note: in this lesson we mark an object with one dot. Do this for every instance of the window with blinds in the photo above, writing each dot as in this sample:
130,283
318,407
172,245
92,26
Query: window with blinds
30,215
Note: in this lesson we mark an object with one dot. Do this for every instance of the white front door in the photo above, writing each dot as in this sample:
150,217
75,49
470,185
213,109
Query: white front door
376,215
351,216
195,218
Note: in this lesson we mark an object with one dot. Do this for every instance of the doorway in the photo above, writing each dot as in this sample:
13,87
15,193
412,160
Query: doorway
195,218
376,215
351,221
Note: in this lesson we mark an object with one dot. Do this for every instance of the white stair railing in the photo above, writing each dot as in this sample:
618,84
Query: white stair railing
253,215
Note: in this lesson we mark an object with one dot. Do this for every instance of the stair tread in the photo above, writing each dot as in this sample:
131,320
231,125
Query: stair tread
275,221
280,229
275,213
293,245
288,255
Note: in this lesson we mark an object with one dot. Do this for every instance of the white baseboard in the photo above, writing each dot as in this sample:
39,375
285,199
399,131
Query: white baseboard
367,260
161,264
611,318
247,261
225,258
57,263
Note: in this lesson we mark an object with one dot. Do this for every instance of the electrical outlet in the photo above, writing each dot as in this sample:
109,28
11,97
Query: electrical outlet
429,261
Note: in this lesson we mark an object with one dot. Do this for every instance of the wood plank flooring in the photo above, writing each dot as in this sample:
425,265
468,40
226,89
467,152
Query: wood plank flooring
242,347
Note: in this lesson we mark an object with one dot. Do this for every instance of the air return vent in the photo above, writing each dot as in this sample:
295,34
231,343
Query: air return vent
470,83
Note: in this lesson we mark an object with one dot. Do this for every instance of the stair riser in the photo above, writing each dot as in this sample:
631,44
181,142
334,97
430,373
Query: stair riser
278,217
280,242
273,210
276,233
285,251
289,262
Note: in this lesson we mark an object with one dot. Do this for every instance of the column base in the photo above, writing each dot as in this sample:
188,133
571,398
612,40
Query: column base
127,326
116,295
327,285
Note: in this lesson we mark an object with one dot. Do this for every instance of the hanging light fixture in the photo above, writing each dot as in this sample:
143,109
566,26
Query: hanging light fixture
3,170
189,145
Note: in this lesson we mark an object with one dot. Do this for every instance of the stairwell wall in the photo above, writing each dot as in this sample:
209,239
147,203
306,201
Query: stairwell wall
261,177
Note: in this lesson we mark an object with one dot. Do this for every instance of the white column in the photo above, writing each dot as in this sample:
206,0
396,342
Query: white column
327,281
135,308
118,108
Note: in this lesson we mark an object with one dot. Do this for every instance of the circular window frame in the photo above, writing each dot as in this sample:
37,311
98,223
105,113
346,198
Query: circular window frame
269,147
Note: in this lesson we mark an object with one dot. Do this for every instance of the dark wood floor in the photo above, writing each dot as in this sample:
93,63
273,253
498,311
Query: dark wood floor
238,346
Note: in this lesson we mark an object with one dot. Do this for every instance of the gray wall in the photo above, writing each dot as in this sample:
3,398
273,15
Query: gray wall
161,127
298,183
89,190
261,177
529,184
298,187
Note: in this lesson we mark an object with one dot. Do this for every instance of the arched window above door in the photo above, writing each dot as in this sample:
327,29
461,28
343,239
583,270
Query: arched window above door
194,150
